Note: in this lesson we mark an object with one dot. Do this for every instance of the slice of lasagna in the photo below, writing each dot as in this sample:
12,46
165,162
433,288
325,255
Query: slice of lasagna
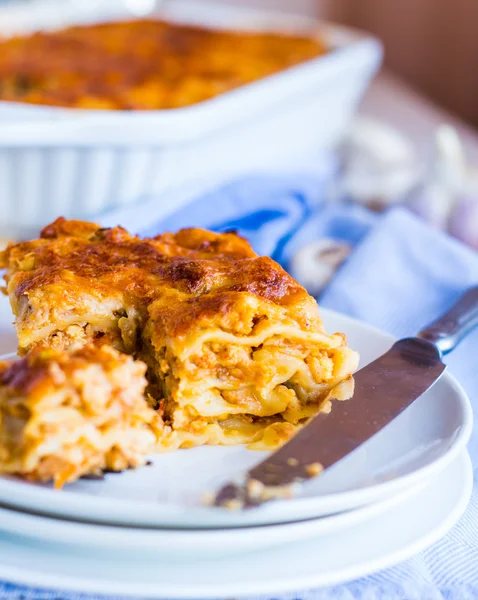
235,347
68,414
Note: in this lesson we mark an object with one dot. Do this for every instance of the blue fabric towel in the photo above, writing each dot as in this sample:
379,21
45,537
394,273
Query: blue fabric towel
400,276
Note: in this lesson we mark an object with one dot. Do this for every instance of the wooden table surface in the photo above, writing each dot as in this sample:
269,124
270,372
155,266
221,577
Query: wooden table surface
394,102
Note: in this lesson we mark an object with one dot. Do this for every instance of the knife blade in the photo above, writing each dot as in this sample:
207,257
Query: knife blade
383,390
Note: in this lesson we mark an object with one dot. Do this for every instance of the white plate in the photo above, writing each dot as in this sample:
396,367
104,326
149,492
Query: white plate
327,560
419,444
183,542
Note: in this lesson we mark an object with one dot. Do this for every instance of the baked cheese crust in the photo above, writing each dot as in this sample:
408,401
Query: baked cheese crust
235,347
142,65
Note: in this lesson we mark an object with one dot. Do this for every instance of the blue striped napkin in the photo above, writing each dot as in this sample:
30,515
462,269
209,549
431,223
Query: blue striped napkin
400,276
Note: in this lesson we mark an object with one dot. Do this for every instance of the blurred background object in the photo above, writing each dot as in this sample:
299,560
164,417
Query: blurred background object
315,264
379,164
83,163
401,149
430,43
431,167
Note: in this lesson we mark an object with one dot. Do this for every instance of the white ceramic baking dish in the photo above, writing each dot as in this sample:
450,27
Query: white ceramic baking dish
79,163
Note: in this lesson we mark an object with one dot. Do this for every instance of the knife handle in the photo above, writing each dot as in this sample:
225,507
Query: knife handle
447,331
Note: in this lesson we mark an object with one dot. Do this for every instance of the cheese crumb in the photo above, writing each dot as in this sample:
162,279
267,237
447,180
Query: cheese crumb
233,504
255,489
314,469
208,498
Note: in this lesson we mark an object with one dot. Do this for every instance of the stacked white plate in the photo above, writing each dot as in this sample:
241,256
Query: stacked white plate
146,533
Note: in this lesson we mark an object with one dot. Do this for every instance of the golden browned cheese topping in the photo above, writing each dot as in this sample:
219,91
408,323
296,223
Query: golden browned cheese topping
34,372
235,348
143,64
204,270
27,375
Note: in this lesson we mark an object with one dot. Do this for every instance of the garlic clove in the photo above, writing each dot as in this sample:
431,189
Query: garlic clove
471,181
433,203
464,221
379,164
314,264
380,142
387,187
449,168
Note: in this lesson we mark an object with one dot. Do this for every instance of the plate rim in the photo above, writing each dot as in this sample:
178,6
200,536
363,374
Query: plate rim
78,584
98,504
331,524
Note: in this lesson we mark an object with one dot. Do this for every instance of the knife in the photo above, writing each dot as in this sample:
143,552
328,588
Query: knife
383,390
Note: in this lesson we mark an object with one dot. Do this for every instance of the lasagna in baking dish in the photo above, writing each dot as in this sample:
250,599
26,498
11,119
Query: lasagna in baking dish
235,348
143,64
64,415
